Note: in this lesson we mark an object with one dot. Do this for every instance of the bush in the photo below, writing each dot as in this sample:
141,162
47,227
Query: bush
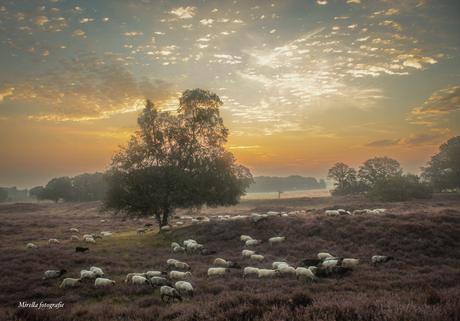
401,188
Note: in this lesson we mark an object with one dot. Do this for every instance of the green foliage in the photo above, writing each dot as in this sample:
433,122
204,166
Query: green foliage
345,181
264,184
89,187
443,170
176,161
378,168
3,194
58,188
36,192
401,188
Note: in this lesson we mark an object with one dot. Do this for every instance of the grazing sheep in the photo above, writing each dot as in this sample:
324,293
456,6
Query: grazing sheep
286,270
87,235
338,270
140,280
309,262
141,230
207,252
257,257
184,286
159,281
53,274
266,273
248,253
74,238
277,239
350,262
69,282
73,230
174,244
182,266
177,275
194,247
87,275
97,270
129,276
328,264
172,263
170,293
79,249
233,265
53,241
258,219
151,274
165,228
322,256
380,259
103,221
343,212
318,272
302,271
107,234
359,212
31,246
217,271
250,271
220,262
276,264
103,282
89,240
273,213
245,238
332,213
252,243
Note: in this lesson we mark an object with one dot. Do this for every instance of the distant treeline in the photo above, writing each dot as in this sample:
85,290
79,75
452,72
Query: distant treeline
264,184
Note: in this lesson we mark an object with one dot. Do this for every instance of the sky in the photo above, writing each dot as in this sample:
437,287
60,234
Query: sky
305,84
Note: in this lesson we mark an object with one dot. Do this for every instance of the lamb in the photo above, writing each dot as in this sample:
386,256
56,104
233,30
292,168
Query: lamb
250,271
53,274
53,241
182,266
140,280
79,249
184,286
73,230
179,275
245,238
74,238
217,271
252,243
151,274
350,262
248,253
302,271
69,282
97,270
129,276
159,281
277,239
103,282
141,230
380,259
309,262
170,293
87,275
322,256
31,246
265,273
257,257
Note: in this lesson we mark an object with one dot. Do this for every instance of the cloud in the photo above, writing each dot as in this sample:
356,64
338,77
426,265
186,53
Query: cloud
6,91
441,102
415,141
382,143
183,13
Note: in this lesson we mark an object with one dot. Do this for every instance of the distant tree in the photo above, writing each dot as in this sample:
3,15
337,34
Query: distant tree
36,192
322,184
176,161
345,180
443,170
58,188
401,188
89,187
3,194
378,168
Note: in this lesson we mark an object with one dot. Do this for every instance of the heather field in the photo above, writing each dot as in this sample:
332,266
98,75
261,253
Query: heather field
421,283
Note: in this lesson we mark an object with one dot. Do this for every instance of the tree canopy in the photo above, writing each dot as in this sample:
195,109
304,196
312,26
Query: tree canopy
176,160
379,168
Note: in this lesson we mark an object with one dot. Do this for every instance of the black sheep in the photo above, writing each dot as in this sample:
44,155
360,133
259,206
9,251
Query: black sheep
81,249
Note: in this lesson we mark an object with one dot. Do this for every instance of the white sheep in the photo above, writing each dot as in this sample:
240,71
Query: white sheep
53,274
194,247
170,293
174,244
87,235
74,238
359,212
276,264
172,262
31,246
350,262
184,286
220,262
277,239
217,271
73,230
328,264
165,228
89,240
151,274
250,271
53,241
103,282
182,266
178,275
257,257
322,256
107,234
98,271
140,280
87,275
266,273
245,238
301,271
286,270
178,249
332,213
252,243
273,213
248,253
129,276
380,259
69,282
141,230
